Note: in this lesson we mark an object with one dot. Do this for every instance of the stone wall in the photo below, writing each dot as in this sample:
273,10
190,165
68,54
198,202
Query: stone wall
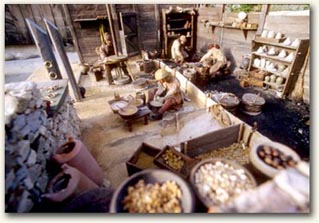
30,139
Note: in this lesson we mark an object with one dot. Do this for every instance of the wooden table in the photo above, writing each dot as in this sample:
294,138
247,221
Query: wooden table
143,112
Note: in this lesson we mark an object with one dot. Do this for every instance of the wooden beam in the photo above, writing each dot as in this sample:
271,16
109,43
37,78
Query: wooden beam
262,18
221,35
158,27
59,48
73,34
115,24
110,20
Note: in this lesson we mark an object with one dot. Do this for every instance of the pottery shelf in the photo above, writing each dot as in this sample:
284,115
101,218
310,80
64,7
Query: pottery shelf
181,23
292,66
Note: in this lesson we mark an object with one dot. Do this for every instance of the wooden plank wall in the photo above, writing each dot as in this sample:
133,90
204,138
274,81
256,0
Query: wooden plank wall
16,31
232,41
88,36
148,27
205,35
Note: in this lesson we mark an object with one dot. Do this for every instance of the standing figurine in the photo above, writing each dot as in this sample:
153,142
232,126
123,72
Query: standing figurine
178,52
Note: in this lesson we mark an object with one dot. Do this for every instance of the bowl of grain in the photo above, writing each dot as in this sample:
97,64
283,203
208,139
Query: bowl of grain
153,191
217,181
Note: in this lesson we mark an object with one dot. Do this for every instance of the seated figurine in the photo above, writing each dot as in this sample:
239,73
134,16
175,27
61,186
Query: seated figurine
215,60
169,91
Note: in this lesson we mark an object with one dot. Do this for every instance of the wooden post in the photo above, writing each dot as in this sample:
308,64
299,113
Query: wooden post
262,18
221,35
58,45
158,27
110,20
43,44
114,25
74,38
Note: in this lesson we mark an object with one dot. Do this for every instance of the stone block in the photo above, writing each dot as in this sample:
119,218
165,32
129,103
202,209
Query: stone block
25,203
23,149
18,123
32,158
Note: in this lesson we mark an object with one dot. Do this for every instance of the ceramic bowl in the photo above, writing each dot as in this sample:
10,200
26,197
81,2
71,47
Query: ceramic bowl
199,188
261,165
128,111
152,176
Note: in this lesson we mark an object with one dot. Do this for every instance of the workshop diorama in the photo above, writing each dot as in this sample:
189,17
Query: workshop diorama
171,109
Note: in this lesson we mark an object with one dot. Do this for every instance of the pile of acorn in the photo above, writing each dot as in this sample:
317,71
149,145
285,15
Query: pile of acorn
275,158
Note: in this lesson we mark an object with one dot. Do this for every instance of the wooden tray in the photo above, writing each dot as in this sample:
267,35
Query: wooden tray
184,171
142,159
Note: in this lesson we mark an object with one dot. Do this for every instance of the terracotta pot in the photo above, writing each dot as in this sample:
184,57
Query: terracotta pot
68,183
84,68
75,154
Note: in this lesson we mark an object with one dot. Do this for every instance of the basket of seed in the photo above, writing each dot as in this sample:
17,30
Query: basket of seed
218,181
153,191
177,162
271,157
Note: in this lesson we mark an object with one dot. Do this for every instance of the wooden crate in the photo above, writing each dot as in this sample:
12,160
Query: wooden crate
210,141
142,159
184,171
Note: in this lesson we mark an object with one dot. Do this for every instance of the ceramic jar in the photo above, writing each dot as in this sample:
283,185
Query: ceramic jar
278,35
264,34
271,34
267,78
76,154
279,80
273,78
67,184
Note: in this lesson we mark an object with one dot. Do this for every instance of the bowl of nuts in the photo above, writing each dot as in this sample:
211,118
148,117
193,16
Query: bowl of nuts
217,181
153,191
271,157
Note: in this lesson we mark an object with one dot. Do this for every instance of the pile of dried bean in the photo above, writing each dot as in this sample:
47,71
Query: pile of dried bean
275,158
153,198
220,182
173,160
234,152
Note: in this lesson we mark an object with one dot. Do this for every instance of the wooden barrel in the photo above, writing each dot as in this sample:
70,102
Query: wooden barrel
252,103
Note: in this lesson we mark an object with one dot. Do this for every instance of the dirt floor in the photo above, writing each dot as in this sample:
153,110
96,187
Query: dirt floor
281,120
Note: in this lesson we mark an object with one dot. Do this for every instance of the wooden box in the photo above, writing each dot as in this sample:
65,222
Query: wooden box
211,141
258,74
184,170
142,159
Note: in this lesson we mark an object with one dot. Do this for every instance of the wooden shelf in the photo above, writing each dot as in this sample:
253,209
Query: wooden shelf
277,86
294,66
272,72
274,58
175,36
276,44
244,29
176,22
177,29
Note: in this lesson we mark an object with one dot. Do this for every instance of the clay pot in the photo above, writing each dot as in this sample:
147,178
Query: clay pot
75,154
272,78
264,33
279,80
68,183
84,68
